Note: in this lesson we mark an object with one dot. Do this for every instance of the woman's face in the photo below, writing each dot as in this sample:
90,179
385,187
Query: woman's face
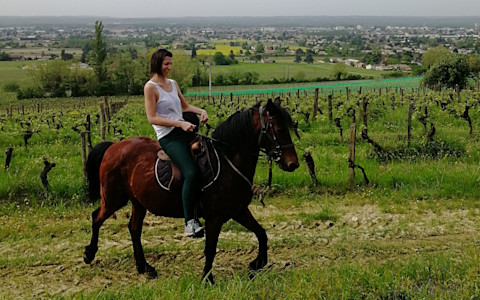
166,65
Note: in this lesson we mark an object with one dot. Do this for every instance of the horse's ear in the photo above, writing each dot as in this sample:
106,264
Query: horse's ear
269,102
278,101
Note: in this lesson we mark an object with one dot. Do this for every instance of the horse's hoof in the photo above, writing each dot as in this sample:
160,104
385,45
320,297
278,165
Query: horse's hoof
257,265
147,270
89,254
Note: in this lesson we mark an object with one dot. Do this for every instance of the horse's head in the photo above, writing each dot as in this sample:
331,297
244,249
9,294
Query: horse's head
274,138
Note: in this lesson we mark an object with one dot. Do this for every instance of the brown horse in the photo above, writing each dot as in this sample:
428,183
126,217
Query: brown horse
123,171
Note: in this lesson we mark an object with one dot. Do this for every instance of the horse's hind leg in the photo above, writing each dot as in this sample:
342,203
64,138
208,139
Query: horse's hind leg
135,228
98,218
246,219
212,228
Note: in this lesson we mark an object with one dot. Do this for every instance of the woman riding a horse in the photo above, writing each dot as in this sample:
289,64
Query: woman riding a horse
124,171
164,104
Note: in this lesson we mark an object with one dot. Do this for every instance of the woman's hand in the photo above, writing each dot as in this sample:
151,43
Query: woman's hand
187,126
204,116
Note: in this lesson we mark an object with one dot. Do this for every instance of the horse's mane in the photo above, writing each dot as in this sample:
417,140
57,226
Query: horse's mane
237,129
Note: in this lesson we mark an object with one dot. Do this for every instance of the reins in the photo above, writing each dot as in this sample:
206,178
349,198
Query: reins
266,131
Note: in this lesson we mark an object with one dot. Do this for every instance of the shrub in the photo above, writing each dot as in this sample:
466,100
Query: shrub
11,87
29,92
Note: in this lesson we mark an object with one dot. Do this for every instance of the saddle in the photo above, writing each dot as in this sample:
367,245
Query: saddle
207,160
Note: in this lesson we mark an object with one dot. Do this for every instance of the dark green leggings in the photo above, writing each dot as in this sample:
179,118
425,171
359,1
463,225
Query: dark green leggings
176,145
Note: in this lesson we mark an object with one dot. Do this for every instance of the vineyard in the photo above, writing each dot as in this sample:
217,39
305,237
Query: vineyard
384,204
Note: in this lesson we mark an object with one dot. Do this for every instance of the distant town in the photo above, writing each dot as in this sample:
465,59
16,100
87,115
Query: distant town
382,47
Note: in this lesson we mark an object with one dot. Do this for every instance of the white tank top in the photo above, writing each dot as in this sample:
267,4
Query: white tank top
168,106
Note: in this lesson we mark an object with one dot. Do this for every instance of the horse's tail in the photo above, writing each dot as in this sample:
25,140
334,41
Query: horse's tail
93,167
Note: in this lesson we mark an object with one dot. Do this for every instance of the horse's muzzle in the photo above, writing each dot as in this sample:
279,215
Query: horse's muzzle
289,166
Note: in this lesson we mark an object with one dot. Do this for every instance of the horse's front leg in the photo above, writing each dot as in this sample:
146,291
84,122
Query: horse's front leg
135,228
246,219
212,228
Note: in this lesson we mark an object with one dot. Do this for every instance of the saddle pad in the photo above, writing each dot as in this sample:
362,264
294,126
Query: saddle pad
163,173
208,164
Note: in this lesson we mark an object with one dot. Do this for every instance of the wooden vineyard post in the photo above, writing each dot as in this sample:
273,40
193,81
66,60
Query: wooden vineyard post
409,122
8,157
89,133
84,153
107,113
364,114
102,120
231,98
311,167
315,105
351,158
330,108
457,89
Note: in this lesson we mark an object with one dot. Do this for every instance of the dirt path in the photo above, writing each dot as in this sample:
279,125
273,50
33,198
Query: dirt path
41,255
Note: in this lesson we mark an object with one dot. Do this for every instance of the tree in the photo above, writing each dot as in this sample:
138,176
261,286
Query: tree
52,77
86,48
256,57
219,59
452,70
194,52
124,72
98,60
308,59
339,70
298,58
4,56
435,55
375,57
183,70
299,51
259,48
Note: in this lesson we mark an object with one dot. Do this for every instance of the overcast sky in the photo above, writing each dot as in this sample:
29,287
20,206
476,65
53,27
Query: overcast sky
205,8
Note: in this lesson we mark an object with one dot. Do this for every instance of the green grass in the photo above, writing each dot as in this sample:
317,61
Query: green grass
285,69
320,246
411,233
12,71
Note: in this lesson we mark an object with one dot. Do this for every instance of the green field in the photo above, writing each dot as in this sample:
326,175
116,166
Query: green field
326,87
410,233
285,69
14,71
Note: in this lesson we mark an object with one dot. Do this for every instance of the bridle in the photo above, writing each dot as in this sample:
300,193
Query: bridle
267,132
274,154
